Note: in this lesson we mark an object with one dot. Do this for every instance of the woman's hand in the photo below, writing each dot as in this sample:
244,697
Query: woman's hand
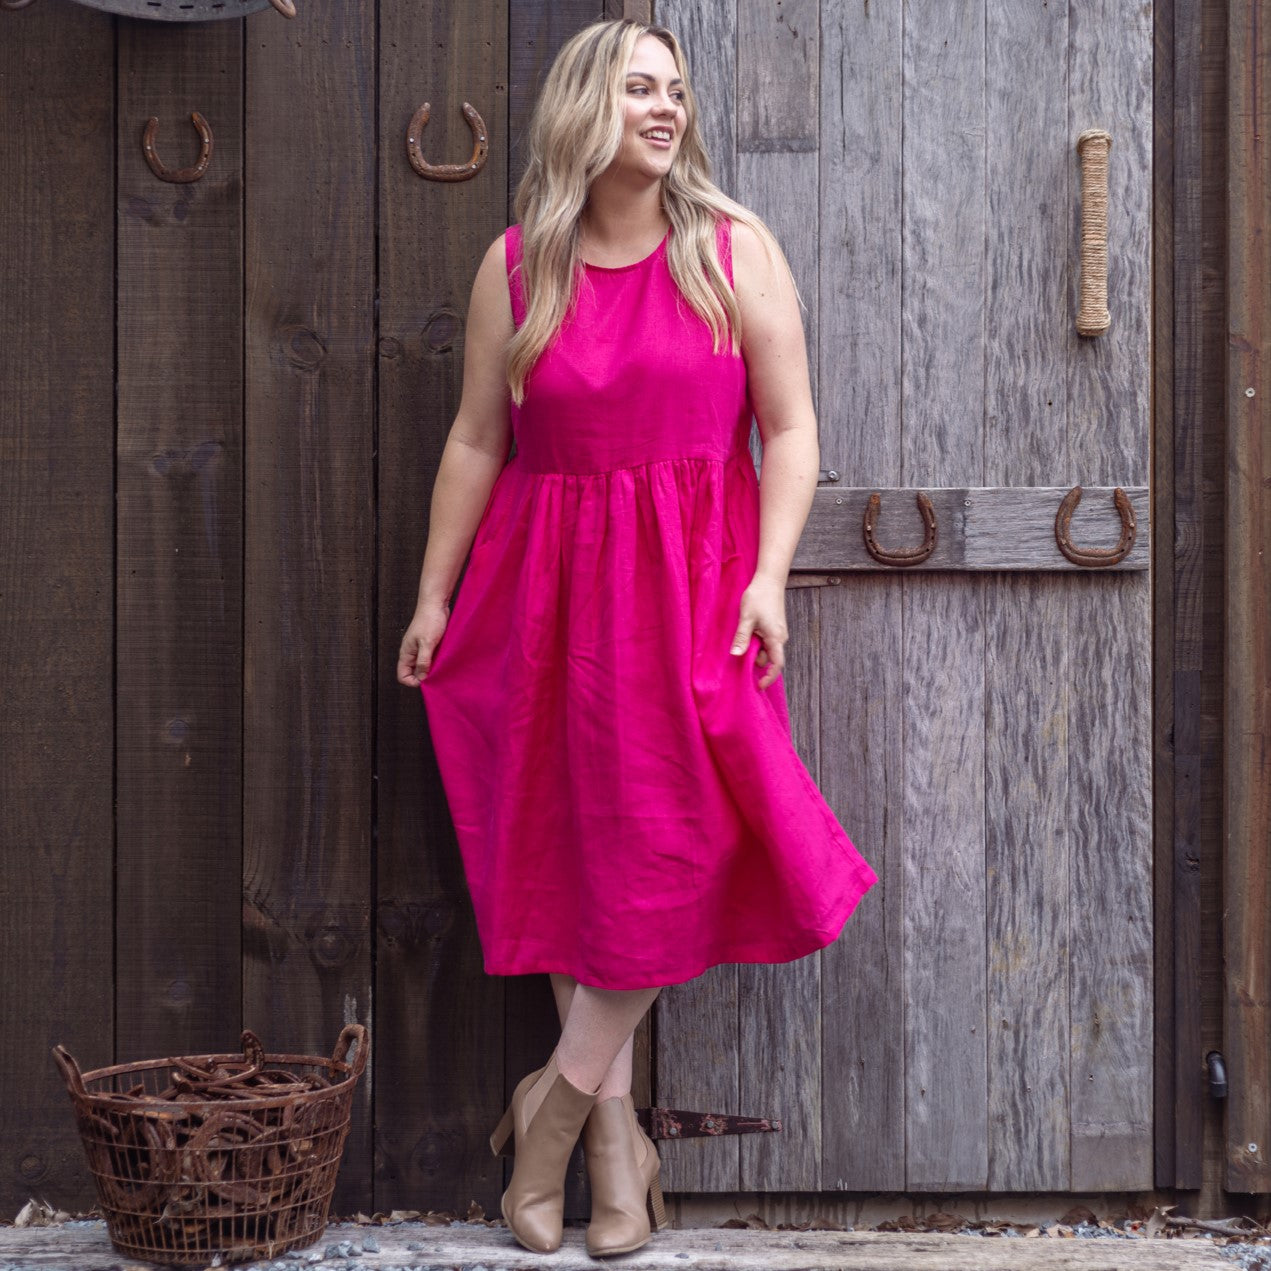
763,613
420,643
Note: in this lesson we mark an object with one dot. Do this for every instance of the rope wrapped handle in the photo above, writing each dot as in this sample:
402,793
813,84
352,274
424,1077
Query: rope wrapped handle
1093,146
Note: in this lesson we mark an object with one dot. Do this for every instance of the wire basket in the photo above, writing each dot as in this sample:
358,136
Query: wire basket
206,1155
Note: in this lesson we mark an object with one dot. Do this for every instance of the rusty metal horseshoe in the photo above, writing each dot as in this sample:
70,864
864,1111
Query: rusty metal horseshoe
905,556
183,175
447,171
1095,557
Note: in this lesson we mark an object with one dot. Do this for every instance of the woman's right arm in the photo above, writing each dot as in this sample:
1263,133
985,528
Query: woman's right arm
476,450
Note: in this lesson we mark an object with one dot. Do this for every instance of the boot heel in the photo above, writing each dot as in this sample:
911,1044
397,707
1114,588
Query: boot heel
657,1210
502,1132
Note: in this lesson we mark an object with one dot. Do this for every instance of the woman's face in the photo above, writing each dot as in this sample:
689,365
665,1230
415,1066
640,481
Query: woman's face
654,115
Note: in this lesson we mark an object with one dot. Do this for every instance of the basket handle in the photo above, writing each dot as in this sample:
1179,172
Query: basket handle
70,1071
349,1034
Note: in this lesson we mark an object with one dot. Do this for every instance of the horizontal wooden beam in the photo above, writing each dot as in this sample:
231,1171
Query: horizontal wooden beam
976,528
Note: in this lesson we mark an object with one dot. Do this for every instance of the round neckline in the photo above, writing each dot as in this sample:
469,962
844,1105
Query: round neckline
635,264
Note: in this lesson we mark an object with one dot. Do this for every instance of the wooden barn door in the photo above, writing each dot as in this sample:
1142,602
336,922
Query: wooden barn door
980,722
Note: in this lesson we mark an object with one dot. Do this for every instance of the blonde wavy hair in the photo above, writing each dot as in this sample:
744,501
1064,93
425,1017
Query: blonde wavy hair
575,134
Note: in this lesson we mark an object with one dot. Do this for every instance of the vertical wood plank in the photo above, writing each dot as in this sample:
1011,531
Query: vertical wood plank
777,171
778,82
707,30
1247,660
56,567
440,1066
1025,409
697,1060
1111,973
180,519
943,618
536,31
862,997
308,674
780,1021
863,1088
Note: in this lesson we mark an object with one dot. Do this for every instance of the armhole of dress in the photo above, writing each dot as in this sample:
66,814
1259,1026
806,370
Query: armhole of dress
516,291
724,245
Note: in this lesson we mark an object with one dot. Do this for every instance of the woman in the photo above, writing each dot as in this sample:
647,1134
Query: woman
606,706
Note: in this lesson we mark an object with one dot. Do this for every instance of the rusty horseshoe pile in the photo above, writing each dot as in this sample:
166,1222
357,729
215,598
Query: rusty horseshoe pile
199,1155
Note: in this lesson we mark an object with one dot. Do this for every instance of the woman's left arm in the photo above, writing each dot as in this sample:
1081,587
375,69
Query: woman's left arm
776,358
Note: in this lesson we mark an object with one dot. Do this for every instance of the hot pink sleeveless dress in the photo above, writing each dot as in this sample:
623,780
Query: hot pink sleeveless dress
628,802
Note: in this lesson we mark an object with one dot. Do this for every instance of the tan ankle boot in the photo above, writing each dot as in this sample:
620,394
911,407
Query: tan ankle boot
545,1116
623,1168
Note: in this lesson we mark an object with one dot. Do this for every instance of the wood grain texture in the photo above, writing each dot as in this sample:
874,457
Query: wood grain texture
707,30
1026,673
977,527
1027,880
860,244
943,619
179,464
56,566
536,31
1247,653
698,1067
309,549
862,989
1109,769
780,1004
862,670
777,75
441,1081
944,628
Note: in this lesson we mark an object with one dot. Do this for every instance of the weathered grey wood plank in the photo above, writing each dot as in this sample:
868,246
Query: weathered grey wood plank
944,349
1026,723
707,29
1027,880
1109,754
862,993
57,494
698,1067
441,1077
780,1021
778,81
862,771
977,527
456,1246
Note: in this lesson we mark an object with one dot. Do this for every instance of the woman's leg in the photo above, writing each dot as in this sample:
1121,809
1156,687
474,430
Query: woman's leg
598,1026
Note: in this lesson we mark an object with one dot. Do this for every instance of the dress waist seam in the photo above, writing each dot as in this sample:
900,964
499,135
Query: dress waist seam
721,460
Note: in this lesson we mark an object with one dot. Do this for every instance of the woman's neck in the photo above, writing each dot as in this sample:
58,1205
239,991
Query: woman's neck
617,217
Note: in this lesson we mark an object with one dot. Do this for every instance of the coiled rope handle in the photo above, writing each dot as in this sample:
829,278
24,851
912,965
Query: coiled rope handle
1093,146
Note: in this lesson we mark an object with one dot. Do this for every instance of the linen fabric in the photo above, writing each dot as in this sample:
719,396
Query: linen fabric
628,803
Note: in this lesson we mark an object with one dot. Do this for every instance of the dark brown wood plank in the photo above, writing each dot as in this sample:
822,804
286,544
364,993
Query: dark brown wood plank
308,558
1247,714
56,592
179,532
439,1067
536,31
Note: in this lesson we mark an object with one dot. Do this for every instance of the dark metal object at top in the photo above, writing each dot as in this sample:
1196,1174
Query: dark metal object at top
184,10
